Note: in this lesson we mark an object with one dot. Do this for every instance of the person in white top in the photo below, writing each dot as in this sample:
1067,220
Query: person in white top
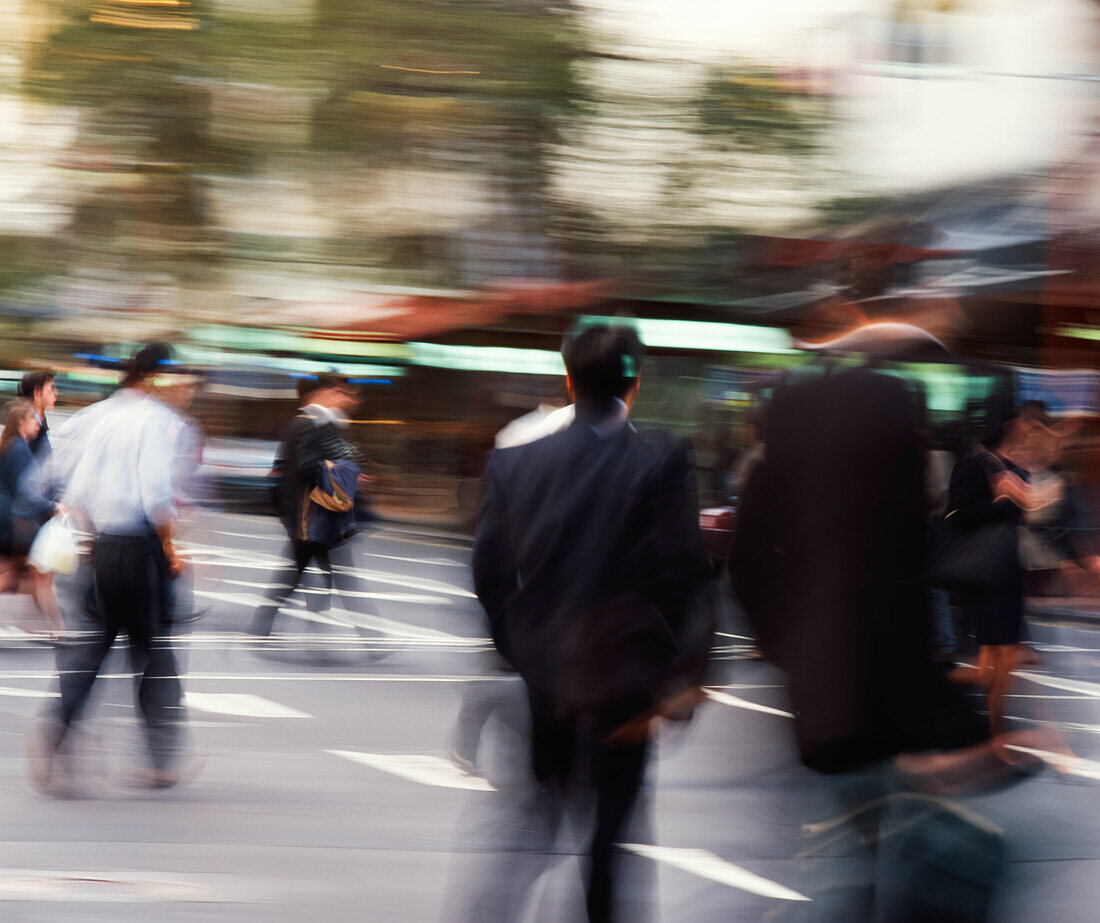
122,486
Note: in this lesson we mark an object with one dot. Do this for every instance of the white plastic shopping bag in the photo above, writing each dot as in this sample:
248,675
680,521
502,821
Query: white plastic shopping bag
54,549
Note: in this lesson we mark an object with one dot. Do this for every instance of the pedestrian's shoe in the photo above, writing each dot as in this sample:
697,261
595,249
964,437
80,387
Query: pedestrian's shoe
260,626
464,763
42,747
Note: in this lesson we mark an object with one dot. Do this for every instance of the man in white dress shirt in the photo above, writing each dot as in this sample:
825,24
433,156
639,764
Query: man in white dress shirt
120,458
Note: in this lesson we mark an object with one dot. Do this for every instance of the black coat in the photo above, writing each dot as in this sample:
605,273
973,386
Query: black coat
829,562
307,442
587,555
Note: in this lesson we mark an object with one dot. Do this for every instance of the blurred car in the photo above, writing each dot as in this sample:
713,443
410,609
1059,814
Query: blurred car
237,473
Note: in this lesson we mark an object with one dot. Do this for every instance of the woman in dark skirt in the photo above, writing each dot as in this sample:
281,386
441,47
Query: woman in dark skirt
989,486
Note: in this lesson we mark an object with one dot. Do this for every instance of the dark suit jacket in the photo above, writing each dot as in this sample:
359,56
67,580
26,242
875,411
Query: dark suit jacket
21,509
586,557
829,562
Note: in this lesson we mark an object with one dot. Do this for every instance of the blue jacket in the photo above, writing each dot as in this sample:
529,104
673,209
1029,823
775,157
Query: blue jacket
19,499
328,513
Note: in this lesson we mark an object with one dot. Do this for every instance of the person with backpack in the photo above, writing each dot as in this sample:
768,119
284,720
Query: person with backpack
319,478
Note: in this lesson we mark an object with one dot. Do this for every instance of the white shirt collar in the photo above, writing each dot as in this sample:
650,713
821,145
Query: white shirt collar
330,414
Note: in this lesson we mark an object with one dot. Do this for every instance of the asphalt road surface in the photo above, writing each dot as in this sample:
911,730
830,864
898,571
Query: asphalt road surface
326,791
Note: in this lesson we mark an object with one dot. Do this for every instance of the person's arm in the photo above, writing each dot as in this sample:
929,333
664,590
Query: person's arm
30,501
494,566
154,471
972,499
1008,486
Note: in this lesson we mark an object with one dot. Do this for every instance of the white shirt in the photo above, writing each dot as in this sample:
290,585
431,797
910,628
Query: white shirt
534,425
122,457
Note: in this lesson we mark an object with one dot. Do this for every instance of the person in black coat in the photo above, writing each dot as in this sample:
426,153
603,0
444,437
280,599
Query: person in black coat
314,438
587,553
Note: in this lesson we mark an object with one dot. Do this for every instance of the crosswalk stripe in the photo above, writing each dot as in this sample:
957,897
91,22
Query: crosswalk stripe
418,767
1058,682
706,864
16,693
240,704
724,698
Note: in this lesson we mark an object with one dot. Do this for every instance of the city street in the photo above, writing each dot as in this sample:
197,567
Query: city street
327,792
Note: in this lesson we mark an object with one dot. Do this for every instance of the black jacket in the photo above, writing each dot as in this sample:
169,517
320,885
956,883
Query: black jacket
587,555
308,441
829,562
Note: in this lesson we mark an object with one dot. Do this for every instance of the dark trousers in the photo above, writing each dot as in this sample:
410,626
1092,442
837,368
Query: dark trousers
335,564
130,585
575,751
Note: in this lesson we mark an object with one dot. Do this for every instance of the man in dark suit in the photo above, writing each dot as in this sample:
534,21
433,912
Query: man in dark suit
586,556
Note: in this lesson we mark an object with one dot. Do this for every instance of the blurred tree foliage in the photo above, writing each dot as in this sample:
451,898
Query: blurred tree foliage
173,92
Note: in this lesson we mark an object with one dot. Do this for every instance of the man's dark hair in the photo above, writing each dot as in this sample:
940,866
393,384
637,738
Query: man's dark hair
603,361
34,381
148,361
307,384
327,380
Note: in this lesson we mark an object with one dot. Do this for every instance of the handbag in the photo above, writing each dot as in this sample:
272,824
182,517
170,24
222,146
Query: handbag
979,558
54,549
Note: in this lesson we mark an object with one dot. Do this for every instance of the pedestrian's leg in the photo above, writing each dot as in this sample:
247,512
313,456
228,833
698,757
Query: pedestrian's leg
617,774
1004,658
298,555
45,601
348,581
159,690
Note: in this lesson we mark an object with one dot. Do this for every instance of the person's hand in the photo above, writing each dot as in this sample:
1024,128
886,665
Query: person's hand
679,707
636,731
174,561
60,510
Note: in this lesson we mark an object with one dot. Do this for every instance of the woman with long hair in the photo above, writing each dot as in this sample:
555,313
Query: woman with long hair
23,508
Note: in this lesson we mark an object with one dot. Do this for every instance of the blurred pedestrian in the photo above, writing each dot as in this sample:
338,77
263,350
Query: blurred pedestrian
23,508
122,485
40,389
829,561
587,554
320,477
991,487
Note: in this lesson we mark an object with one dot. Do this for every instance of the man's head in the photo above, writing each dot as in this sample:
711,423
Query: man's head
603,362
39,389
147,363
334,391
306,385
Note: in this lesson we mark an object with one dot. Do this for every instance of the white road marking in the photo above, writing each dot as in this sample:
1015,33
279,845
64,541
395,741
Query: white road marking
240,704
1057,682
87,886
1071,765
724,698
434,562
28,693
354,594
417,767
291,677
706,864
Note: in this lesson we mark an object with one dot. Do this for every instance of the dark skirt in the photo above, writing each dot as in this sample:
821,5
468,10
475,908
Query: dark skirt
997,616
